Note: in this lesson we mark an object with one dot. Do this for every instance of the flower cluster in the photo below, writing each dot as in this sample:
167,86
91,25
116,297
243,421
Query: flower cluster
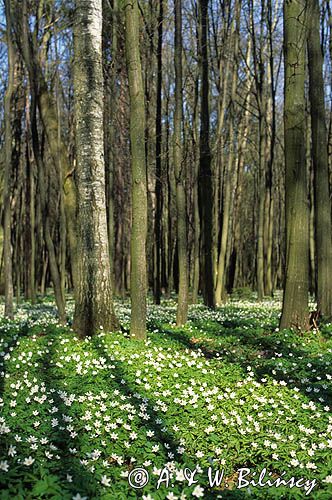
226,390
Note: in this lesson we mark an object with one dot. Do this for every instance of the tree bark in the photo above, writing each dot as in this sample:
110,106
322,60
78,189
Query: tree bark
205,184
41,167
227,201
94,302
48,115
7,246
158,186
138,277
195,286
295,301
179,165
323,225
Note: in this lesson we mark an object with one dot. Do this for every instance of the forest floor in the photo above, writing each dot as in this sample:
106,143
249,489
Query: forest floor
79,419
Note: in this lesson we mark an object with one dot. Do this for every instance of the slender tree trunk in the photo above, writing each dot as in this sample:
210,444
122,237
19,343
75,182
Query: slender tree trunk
41,166
172,236
221,176
205,183
48,115
243,138
329,13
227,202
270,154
310,172
62,216
31,214
323,225
110,130
179,165
94,302
295,302
30,244
195,197
259,74
260,223
32,264
159,193
7,246
43,276
138,283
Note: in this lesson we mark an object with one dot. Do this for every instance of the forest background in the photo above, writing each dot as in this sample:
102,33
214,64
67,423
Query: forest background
166,176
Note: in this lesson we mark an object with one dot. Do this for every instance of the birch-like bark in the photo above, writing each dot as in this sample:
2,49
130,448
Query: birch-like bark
94,302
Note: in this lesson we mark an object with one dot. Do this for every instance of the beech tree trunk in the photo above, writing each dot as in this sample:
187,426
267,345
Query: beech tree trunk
138,278
295,301
94,303
179,165
323,226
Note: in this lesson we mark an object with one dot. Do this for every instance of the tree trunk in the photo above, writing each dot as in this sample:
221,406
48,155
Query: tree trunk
310,172
227,201
94,302
205,184
323,226
30,213
295,301
195,286
159,193
41,167
270,154
261,196
48,115
138,283
179,166
7,246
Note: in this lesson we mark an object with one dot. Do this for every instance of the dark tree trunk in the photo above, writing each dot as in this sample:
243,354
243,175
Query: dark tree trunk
205,182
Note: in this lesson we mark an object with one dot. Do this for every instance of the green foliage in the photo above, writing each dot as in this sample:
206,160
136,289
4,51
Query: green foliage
227,390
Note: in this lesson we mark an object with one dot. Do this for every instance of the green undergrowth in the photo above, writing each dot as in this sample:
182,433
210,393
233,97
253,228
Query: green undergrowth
227,391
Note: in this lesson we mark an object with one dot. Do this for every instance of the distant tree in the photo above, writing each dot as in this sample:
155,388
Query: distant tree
33,45
94,302
229,167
